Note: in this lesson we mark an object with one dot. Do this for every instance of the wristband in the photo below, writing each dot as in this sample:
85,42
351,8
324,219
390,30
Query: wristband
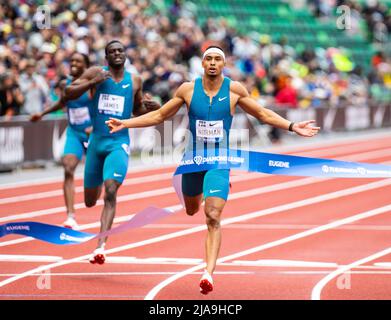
291,126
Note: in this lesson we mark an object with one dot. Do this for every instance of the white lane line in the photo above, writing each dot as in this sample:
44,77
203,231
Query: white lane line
79,189
285,263
28,258
167,176
244,217
342,150
285,207
382,264
252,226
132,273
160,273
78,176
317,290
135,196
327,272
151,294
35,182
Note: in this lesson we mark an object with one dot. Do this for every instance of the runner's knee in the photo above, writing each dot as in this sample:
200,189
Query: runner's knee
69,168
69,171
191,210
110,192
90,202
213,218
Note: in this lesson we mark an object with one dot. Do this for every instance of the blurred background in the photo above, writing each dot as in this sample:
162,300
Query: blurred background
329,60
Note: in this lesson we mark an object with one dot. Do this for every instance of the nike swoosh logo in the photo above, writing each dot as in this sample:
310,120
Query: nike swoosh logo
221,99
213,124
125,85
117,175
214,191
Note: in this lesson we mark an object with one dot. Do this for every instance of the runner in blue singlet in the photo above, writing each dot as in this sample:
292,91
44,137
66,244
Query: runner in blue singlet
116,93
211,101
79,127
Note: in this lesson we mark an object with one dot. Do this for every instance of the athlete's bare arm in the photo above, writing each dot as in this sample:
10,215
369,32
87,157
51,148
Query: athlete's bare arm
142,105
57,106
170,108
88,80
268,116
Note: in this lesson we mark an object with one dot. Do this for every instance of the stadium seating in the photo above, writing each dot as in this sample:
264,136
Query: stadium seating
276,18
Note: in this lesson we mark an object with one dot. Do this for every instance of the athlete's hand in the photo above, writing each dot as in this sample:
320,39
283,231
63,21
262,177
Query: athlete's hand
36,117
100,76
88,130
149,103
305,129
115,125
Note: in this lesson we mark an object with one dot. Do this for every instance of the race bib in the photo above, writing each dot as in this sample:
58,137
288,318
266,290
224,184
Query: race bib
79,116
111,104
210,131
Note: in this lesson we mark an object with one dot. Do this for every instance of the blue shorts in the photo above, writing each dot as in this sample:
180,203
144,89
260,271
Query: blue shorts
75,142
107,158
212,183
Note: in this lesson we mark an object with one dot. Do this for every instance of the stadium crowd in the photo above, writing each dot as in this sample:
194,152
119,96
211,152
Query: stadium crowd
164,47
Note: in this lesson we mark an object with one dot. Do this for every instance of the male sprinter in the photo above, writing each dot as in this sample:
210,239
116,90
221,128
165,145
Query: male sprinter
79,126
211,102
117,93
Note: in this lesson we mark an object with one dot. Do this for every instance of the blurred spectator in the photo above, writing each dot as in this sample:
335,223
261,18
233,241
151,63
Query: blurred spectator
164,45
34,89
286,94
11,97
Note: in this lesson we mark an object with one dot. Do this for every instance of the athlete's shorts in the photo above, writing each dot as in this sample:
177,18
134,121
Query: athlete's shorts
212,183
75,142
107,158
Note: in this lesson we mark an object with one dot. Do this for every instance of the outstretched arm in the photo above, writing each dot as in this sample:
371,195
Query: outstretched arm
268,116
88,80
57,106
152,118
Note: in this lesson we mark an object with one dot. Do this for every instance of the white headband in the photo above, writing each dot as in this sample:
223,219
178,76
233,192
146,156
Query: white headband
213,50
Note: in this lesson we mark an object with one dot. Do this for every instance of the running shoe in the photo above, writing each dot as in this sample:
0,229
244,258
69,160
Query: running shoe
206,283
70,223
98,256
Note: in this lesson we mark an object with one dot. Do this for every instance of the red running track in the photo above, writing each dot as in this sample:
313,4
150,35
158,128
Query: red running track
283,238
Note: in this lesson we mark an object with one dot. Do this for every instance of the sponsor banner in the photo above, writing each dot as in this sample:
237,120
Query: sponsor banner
64,236
23,141
279,164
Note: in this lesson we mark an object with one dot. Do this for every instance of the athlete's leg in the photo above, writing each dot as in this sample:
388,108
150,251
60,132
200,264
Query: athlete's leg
108,212
69,162
91,195
192,184
192,204
213,208
216,189
114,172
73,153
93,174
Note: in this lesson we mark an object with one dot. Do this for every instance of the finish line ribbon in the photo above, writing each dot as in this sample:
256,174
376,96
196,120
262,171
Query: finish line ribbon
280,164
225,159
271,163
66,236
